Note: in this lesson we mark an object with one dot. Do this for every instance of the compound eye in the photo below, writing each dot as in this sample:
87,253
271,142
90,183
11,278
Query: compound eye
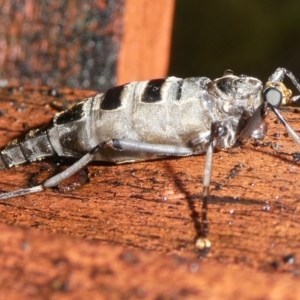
220,130
273,96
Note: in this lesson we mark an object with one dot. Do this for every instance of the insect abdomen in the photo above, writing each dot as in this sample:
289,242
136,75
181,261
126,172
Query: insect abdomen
159,111
35,146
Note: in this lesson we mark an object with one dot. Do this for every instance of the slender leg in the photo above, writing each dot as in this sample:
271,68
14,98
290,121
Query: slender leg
202,242
279,74
160,149
288,128
256,124
83,161
53,181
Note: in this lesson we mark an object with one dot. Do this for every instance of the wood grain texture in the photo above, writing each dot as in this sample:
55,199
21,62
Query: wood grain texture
136,224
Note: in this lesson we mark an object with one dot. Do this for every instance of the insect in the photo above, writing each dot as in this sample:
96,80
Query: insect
154,119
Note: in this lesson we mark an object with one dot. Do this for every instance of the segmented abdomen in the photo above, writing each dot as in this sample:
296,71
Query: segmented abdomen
163,111
34,146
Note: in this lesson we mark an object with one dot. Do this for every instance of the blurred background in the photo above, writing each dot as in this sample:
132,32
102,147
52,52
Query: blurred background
96,44
250,37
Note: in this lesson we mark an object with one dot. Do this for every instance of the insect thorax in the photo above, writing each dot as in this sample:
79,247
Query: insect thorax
235,99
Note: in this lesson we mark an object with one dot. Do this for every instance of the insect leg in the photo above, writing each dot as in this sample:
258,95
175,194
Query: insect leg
121,144
117,144
217,130
288,128
55,180
160,149
202,242
279,74
256,125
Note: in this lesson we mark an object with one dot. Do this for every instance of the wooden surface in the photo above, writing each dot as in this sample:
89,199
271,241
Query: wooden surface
130,232
146,42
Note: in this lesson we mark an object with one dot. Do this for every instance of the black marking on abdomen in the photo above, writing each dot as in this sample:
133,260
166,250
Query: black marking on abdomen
73,114
178,96
112,98
152,92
